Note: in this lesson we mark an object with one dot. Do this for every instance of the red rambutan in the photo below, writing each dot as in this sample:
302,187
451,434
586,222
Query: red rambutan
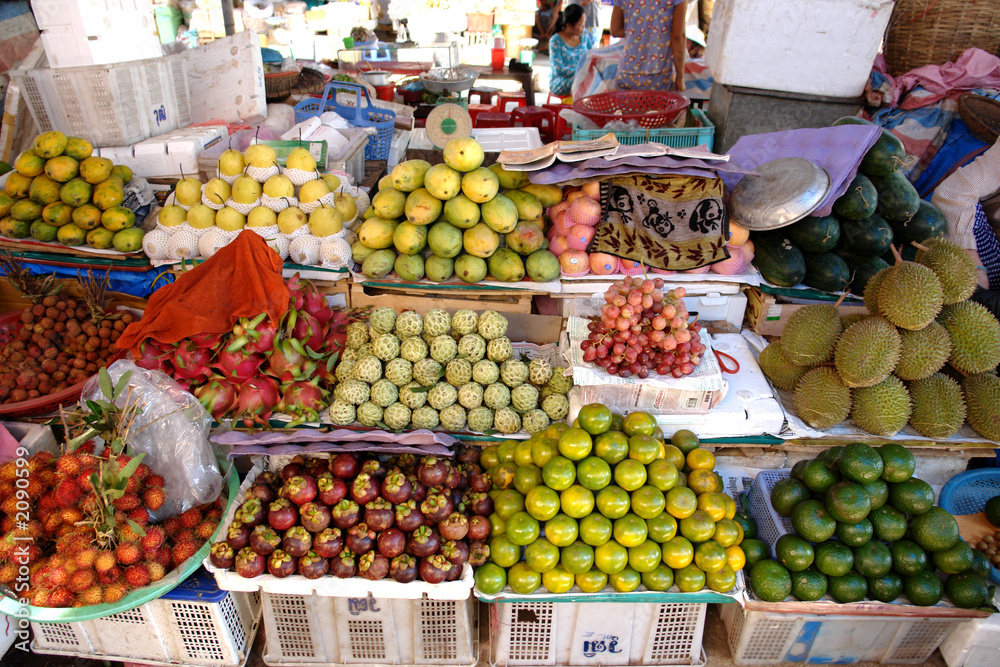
104,561
156,570
81,580
114,592
9,506
172,525
61,597
143,472
57,576
111,576
47,502
84,482
68,493
68,465
214,513
71,515
140,515
154,539
133,485
206,529
8,572
125,532
184,536
71,544
8,471
40,597
154,497
52,522
128,553
137,576
93,595
191,518
154,480
86,558
183,551
7,524
127,502
163,556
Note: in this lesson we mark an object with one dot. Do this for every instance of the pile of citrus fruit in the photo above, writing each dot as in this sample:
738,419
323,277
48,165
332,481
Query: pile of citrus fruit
607,502
865,527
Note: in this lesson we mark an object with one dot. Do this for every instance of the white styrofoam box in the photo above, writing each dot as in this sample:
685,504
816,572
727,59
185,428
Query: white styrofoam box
816,47
974,644
493,140
769,638
65,46
316,629
167,155
122,104
93,17
581,633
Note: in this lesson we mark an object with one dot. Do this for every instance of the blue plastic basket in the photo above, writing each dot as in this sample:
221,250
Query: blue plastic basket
967,493
199,587
383,120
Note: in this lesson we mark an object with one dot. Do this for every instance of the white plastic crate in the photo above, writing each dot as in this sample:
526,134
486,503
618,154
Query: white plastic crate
974,643
124,103
94,32
167,155
194,624
770,524
321,630
769,638
581,633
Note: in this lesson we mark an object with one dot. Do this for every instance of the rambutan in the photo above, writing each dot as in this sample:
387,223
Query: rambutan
163,556
111,576
7,524
154,539
68,465
61,597
7,489
40,597
191,518
71,515
140,515
57,576
72,544
133,485
48,502
172,525
93,595
104,561
114,592
156,571
6,547
86,448
68,493
155,480
81,580
71,566
154,497
8,471
183,551
206,529
123,460
128,553
9,506
86,557
35,530
84,482
52,522
127,502
137,576
214,513
35,488
8,572
64,529
125,532
185,536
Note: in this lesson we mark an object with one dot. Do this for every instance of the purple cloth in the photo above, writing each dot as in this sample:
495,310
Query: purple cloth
837,149
292,442
565,172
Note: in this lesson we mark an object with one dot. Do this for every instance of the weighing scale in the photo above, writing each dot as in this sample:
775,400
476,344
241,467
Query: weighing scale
446,122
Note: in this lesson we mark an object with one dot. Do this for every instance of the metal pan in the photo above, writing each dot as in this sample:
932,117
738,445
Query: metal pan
786,190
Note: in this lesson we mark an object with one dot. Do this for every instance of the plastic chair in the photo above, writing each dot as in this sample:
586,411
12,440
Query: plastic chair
563,130
476,109
503,99
483,93
543,119
493,120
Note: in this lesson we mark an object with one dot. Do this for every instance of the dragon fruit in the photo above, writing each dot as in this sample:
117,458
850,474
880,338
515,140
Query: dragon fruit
253,336
303,400
296,292
211,342
257,399
288,361
192,363
155,356
218,396
315,304
238,366
305,328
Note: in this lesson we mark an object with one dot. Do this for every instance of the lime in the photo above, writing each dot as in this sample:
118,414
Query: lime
577,557
593,473
794,553
851,587
808,585
541,555
923,589
886,588
558,580
907,558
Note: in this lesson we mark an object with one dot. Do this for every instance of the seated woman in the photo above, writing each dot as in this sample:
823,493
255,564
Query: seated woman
545,22
566,50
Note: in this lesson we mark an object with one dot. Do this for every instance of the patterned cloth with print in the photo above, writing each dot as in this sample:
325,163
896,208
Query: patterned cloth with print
648,61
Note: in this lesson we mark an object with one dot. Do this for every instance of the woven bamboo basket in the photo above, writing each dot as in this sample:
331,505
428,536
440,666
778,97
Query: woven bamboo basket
933,32
981,115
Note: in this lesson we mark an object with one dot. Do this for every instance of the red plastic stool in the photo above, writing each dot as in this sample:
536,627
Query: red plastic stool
503,99
483,93
543,119
493,120
476,109
562,129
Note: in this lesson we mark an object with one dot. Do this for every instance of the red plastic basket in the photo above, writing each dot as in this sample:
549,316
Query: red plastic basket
650,108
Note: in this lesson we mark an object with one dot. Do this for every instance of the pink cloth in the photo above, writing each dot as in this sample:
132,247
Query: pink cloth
975,68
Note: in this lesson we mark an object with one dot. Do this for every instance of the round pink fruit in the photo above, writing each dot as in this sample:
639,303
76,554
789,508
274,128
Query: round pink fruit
579,237
733,266
630,267
584,211
603,264
574,263
558,245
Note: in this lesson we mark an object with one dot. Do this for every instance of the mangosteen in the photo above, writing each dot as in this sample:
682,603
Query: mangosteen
282,515
423,542
345,514
315,466
262,492
436,506
391,542
290,470
344,565
331,489
454,574
222,555
435,569
281,565
419,490
457,552
249,563
312,566
344,466
329,543
458,502
378,515
251,513
480,503
396,488
403,568
271,479
238,535
479,553
480,482
315,517
479,528
264,540
469,455
407,464
300,490
364,489
373,566
360,539
455,527
432,471
454,478
297,541
375,469
408,516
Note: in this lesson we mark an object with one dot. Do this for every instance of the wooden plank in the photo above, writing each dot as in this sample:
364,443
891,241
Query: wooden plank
421,302
12,300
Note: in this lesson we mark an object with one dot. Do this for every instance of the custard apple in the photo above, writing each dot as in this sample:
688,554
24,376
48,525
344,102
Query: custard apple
413,349
357,334
412,399
368,369
382,319
491,325
409,324
470,395
556,406
354,392
539,372
345,369
458,372
364,351
480,419
535,421
559,383
514,372
463,322
386,347
499,349
437,322
442,395
427,338
523,397
399,371
453,418
506,421
424,417
427,372
496,396
341,413
370,414
348,354
472,347
485,372
443,349
384,393
396,416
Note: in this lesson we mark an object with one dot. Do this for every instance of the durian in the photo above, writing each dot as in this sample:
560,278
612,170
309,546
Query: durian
821,399
953,266
910,296
882,409
853,318
924,352
777,368
982,403
872,291
811,334
975,337
867,352
938,407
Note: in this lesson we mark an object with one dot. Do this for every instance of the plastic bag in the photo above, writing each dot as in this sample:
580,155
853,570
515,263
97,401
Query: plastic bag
598,70
172,431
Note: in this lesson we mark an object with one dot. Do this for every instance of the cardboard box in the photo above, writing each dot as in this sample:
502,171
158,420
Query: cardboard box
767,317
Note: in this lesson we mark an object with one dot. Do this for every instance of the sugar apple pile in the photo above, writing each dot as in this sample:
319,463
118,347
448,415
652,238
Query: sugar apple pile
452,372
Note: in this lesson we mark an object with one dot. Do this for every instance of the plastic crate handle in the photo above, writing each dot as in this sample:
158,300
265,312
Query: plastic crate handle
349,86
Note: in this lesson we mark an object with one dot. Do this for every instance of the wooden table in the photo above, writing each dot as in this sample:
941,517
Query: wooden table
526,79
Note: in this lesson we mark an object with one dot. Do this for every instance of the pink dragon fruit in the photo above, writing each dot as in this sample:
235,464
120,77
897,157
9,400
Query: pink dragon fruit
192,363
303,327
238,366
210,341
253,336
316,304
288,361
155,356
218,396
303,400
257,399
296,294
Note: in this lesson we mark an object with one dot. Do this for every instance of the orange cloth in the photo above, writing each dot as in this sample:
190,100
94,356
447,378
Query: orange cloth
241,280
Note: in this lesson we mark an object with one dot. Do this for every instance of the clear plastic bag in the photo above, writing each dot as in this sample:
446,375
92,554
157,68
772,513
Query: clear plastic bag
172,431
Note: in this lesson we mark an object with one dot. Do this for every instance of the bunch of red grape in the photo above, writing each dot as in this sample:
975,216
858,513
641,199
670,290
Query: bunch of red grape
642,330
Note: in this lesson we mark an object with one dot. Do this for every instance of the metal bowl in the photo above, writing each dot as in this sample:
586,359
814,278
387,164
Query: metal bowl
447,80
377,77
786,190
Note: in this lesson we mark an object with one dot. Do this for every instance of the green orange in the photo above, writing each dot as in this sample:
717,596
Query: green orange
710,556
625,581
681,502
677,552
662,474
592,581
559,473
595,418
542,503
596,529
610,557
613,502
541,555
648,502
593,473
558,580
661,528
643,448
543,450
690,579
577,557
575,444
644,557
629,531
523,580
611,446
630,474
562,530
576,501
522,529
639,423
698,527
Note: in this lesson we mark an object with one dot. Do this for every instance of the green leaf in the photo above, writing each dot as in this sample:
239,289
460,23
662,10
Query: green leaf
136,528
94,480
93,406
525,358
421,389
122,383
130,467
104,380
115,493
